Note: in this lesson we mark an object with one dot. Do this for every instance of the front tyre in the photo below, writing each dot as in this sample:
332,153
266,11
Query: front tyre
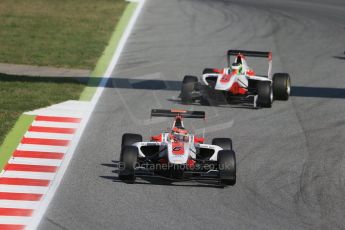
209,96
281,86
265,94
188,87
227,167
128,160
129,139
224,143
208,70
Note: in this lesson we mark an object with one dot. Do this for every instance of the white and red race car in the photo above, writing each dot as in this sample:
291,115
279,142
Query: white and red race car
178,154
237,83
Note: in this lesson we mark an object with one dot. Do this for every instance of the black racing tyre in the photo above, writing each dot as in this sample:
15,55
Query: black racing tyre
209,96
281,86
128,160
224,143
265,94
188,86
189,79
227,167
129,139
205,101
208,70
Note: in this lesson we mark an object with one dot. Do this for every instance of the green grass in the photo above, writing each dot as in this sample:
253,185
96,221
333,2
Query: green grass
21,93
14,137
104,61
62,33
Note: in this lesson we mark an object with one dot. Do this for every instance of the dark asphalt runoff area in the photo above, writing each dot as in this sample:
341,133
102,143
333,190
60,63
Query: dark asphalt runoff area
290,158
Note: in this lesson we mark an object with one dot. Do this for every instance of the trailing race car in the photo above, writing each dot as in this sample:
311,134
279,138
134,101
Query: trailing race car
178,154
237,83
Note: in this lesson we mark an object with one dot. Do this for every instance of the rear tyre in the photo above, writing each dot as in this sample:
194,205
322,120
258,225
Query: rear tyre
265,94
204,101
128,160
188,86
281,86
227,167
128,139
224,143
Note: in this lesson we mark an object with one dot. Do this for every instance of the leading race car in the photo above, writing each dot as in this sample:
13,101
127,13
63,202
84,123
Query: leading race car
237,83
178,154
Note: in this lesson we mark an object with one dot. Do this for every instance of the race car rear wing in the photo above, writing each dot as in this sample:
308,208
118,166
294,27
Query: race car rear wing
248,53
177,112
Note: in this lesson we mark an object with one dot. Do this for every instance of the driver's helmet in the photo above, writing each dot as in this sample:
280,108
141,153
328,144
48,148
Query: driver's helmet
236,67
179,135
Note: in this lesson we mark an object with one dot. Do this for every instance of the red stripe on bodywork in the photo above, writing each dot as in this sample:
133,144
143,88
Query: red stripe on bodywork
236,89
218,70
199,140
51,130
191,163
58,119
12,227
250,73
15,212
157,138
226,77
24,181
20,196
41,141
33,154
30,168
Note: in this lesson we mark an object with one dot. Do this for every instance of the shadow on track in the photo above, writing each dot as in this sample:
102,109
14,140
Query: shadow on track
321,92
159,180
339,57
147,84
168,85
222,105
117,82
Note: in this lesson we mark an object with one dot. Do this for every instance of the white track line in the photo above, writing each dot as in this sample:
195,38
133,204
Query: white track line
23,220
29,175
43,148
19,204
58,136
35,161
55,124
38,214
23,189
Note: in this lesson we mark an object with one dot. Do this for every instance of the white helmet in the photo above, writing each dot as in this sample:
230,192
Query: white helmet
236,67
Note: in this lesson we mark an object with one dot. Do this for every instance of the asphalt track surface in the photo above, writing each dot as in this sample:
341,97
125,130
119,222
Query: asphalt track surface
291,165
